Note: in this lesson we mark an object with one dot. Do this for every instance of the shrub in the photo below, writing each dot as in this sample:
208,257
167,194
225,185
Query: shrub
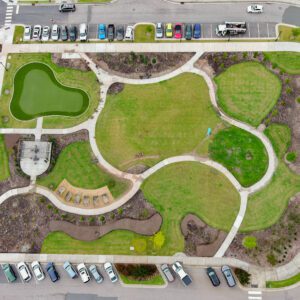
81,219
245,55
42,200
243,276
289,90
272,259
296,32
49,206
120,211
249,242
91,219
112,216
153,60
158,240
291,156
137,271
101,218
298,99
255,54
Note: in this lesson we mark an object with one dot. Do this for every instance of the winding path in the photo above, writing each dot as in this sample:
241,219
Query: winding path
136,180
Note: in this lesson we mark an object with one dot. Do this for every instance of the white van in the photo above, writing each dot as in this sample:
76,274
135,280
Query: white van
83,32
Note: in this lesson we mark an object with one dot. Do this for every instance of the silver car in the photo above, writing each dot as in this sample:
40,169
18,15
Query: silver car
110,272
37,31
27,33
167,272
55,31
70,270
96,274
46,33
159,30
228,276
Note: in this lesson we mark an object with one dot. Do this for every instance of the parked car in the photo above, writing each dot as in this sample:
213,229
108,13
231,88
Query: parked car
255,9
120,32
178,31
24,271
84,273
37,31
110,272
9,273
188,32
37,271
129,35
27,33
83,30
169,30
73,33
55,32
213,276
111,32
70,270
96,274
166,270
54,276
101,31
159,31
46,33
64,34
183,276
67,7
197,31
228,276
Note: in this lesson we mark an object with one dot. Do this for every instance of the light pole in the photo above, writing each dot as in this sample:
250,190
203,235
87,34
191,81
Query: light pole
3,66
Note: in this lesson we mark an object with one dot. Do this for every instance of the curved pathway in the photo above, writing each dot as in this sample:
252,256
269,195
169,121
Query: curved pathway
136,180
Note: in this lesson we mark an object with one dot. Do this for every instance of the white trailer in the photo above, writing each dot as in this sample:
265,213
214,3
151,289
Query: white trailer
231,28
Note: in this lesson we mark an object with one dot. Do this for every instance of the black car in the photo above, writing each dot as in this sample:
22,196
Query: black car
64,34
188,32
67,7
52,272
120,32
213,276
111,32
73,33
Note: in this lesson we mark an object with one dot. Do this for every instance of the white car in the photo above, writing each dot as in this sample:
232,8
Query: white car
27,33
159,31
37,271
83,32
37,31
110,272
24,271
129,33
184,277
46,33
55,31
255,8
83,272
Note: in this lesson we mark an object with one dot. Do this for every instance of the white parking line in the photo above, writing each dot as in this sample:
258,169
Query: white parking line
17,9
268,29
258,30
255,298
211,31
254,292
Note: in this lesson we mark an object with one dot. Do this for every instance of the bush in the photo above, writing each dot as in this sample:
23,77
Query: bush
138,271
298,99
112,216
243,276
81,219
249,242
158,240
49,206
101,218
91,219
120,211
272,259
291,156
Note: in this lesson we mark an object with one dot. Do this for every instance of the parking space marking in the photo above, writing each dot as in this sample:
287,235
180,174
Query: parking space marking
211,31
17,9
258,30
268,30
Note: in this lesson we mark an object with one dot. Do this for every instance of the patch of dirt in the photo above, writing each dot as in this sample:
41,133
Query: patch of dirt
26,220
287,109
200,239
137,169
115,88
276,245
17,178
78,64
139,66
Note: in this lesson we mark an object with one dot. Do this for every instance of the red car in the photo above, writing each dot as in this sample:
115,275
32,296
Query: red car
178,31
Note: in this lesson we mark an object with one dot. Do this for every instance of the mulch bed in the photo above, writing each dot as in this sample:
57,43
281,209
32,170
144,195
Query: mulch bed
276,245
25,221
200,239
78,64
141,65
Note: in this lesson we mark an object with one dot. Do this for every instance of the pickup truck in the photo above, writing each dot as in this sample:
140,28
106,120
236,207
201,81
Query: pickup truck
184,277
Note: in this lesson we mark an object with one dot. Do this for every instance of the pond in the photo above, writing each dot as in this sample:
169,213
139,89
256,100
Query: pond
38,93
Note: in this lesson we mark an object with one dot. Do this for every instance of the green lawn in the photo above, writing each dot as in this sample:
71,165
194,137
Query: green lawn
289,34
280,137
144,33
266,206
147,123
75,164
288,62
86,81
155,280
4,166
242,153
36,81
247,91
283,283
175,191
18,34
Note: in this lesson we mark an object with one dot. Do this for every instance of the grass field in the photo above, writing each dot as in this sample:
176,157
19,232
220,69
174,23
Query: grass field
283,283
36,81
242,153
4,166
247,91
288,62
147,123
289,34
86,81
18,34
155,280
175,191
144,33
267,205
75,164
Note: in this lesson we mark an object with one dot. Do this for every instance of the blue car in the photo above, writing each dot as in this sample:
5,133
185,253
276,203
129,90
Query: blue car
102,31
52,272
197,31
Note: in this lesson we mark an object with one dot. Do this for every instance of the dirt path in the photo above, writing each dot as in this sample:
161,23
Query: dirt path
90,233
